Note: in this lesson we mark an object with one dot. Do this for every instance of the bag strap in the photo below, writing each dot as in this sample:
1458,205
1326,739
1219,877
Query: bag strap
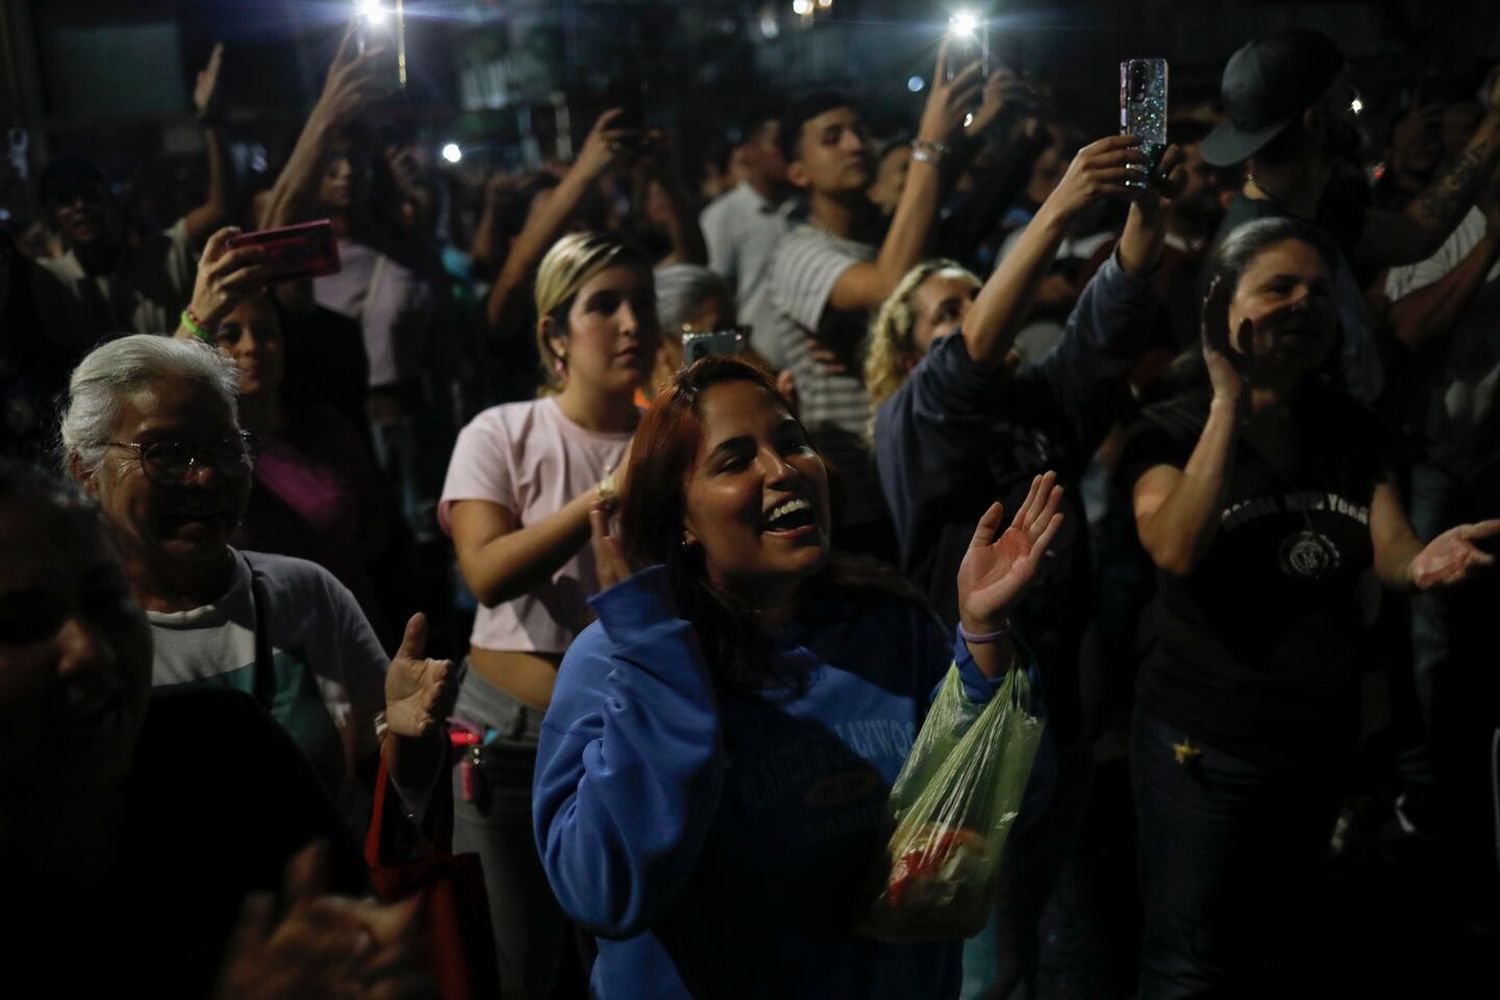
263,683
377,814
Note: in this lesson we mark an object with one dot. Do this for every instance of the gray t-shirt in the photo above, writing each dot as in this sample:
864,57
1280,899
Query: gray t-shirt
329,667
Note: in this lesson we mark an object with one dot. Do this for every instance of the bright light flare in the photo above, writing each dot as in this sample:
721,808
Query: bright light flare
373,11
452,153
915,84
963,24
802,8
1357,106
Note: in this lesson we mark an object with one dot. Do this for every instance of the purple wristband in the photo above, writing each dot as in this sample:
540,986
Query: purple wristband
982,638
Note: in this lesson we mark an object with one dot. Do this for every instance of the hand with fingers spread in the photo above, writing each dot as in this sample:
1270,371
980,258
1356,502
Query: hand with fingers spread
225,279
1098,171
998,567
419,692
950,101
206,93
1453,556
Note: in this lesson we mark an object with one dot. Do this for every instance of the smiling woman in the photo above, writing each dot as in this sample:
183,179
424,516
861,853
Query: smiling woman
712,774
151,433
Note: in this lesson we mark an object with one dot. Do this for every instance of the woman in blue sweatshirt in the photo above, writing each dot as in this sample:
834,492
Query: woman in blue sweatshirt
713,770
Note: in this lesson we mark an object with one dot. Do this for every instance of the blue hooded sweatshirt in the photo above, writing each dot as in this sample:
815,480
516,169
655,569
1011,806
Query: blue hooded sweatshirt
725,845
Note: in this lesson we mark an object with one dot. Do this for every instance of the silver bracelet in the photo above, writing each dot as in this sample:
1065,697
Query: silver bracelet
928,152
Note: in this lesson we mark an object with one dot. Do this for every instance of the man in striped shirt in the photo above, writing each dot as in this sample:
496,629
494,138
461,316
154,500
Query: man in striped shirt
830,274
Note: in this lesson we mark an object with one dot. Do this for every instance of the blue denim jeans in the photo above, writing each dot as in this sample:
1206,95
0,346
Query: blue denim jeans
1231,853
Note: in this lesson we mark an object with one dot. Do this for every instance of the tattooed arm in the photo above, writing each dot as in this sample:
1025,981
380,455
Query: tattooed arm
1393,238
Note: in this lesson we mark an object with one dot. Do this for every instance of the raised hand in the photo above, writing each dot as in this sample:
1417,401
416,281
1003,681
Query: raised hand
949,101
225,278
1452,557
1002,88
996,571
206,96
1224,372
419,692
354,80
605,146
610,564
1098,170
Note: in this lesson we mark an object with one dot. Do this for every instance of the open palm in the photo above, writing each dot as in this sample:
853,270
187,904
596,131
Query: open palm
418,692
996,571
1451,557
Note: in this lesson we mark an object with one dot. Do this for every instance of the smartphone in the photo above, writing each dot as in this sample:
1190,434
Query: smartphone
379,28
724,343
968,44
1143,111
307,250
629,95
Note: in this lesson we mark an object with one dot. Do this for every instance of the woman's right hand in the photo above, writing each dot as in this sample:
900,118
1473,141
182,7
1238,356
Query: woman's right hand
225,278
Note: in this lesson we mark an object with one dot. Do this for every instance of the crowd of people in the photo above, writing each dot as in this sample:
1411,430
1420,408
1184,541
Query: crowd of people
698,473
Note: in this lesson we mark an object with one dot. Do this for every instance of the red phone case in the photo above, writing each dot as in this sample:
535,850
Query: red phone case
306,250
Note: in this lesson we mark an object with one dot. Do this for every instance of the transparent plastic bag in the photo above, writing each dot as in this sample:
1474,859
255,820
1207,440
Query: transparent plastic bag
953,805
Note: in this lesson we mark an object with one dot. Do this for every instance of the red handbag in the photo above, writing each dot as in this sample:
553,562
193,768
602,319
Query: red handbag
457,947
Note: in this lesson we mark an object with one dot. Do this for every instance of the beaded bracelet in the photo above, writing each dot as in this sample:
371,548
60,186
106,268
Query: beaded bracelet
196,328
983,638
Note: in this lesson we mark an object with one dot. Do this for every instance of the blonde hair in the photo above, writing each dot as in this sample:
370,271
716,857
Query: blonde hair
568,265
893,345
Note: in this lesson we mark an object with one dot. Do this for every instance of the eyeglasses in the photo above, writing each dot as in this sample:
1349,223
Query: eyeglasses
170,463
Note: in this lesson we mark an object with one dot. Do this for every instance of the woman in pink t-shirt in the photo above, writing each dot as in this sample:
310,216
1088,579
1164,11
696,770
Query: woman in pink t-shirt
520,485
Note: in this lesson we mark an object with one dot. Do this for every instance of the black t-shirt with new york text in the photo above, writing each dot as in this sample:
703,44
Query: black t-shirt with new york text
1255,652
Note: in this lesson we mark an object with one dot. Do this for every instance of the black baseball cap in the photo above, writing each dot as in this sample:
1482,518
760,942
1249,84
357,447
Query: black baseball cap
65,173
1267,84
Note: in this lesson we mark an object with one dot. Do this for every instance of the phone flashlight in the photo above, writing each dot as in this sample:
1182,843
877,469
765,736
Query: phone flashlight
968,43
375,19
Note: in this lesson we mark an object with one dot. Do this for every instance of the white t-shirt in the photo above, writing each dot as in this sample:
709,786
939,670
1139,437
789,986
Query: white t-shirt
392,303
741,229
316,629
531,459
1402,281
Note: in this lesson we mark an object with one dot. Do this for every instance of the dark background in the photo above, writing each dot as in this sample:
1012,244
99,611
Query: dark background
84,76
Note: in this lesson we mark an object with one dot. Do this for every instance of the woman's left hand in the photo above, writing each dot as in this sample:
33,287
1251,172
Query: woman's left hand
419,692
1451,557
996,571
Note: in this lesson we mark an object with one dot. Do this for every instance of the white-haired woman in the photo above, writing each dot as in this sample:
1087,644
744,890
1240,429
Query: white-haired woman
151,432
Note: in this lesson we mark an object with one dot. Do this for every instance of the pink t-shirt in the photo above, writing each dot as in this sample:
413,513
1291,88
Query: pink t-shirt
530,459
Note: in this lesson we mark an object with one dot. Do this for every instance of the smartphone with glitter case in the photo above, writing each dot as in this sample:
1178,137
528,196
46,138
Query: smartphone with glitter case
1143,110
